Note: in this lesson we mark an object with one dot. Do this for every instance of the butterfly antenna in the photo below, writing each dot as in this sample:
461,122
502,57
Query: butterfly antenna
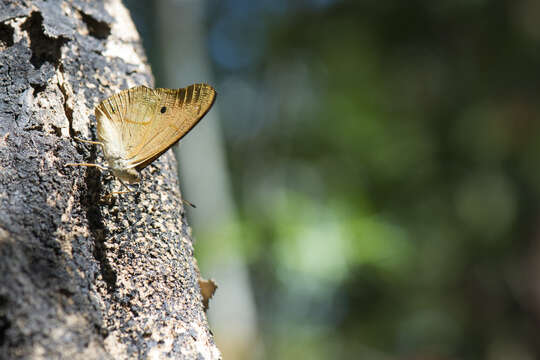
88,165
103,168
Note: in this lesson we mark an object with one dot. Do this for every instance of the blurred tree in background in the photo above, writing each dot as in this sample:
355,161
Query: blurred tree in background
383,155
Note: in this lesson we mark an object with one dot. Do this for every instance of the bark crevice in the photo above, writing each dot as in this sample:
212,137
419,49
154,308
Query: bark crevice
44,48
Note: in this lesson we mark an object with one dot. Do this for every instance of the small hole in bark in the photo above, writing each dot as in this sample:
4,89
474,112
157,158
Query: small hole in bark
44,48
5,324
6,36
66,292
38,88
57,131
96,28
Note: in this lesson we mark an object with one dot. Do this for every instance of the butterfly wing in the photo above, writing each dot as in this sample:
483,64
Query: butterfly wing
178,112
149,121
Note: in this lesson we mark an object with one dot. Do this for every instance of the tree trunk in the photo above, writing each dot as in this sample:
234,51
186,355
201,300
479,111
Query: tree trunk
82,275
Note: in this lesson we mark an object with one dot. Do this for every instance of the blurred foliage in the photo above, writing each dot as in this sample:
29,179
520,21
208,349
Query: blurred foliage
384,159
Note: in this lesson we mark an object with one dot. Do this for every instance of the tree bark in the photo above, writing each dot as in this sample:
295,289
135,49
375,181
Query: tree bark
84,276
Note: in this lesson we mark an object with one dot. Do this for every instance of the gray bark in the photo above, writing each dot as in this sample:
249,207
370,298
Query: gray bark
83,276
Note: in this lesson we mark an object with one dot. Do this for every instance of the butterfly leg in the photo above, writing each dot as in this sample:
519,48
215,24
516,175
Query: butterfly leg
188,203
120,192
89,141
125,186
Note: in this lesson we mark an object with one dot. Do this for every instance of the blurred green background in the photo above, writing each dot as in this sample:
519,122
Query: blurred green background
379,165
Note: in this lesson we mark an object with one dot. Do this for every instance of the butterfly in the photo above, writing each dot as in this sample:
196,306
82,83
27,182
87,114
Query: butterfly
137,125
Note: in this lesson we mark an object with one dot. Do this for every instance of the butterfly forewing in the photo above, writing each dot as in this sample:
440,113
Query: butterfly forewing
149,121
178,112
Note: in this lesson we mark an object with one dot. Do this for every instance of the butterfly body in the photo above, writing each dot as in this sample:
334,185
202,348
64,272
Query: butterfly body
114,151
137,125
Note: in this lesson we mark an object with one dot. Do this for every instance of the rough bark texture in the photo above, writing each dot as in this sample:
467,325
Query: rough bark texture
81,276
